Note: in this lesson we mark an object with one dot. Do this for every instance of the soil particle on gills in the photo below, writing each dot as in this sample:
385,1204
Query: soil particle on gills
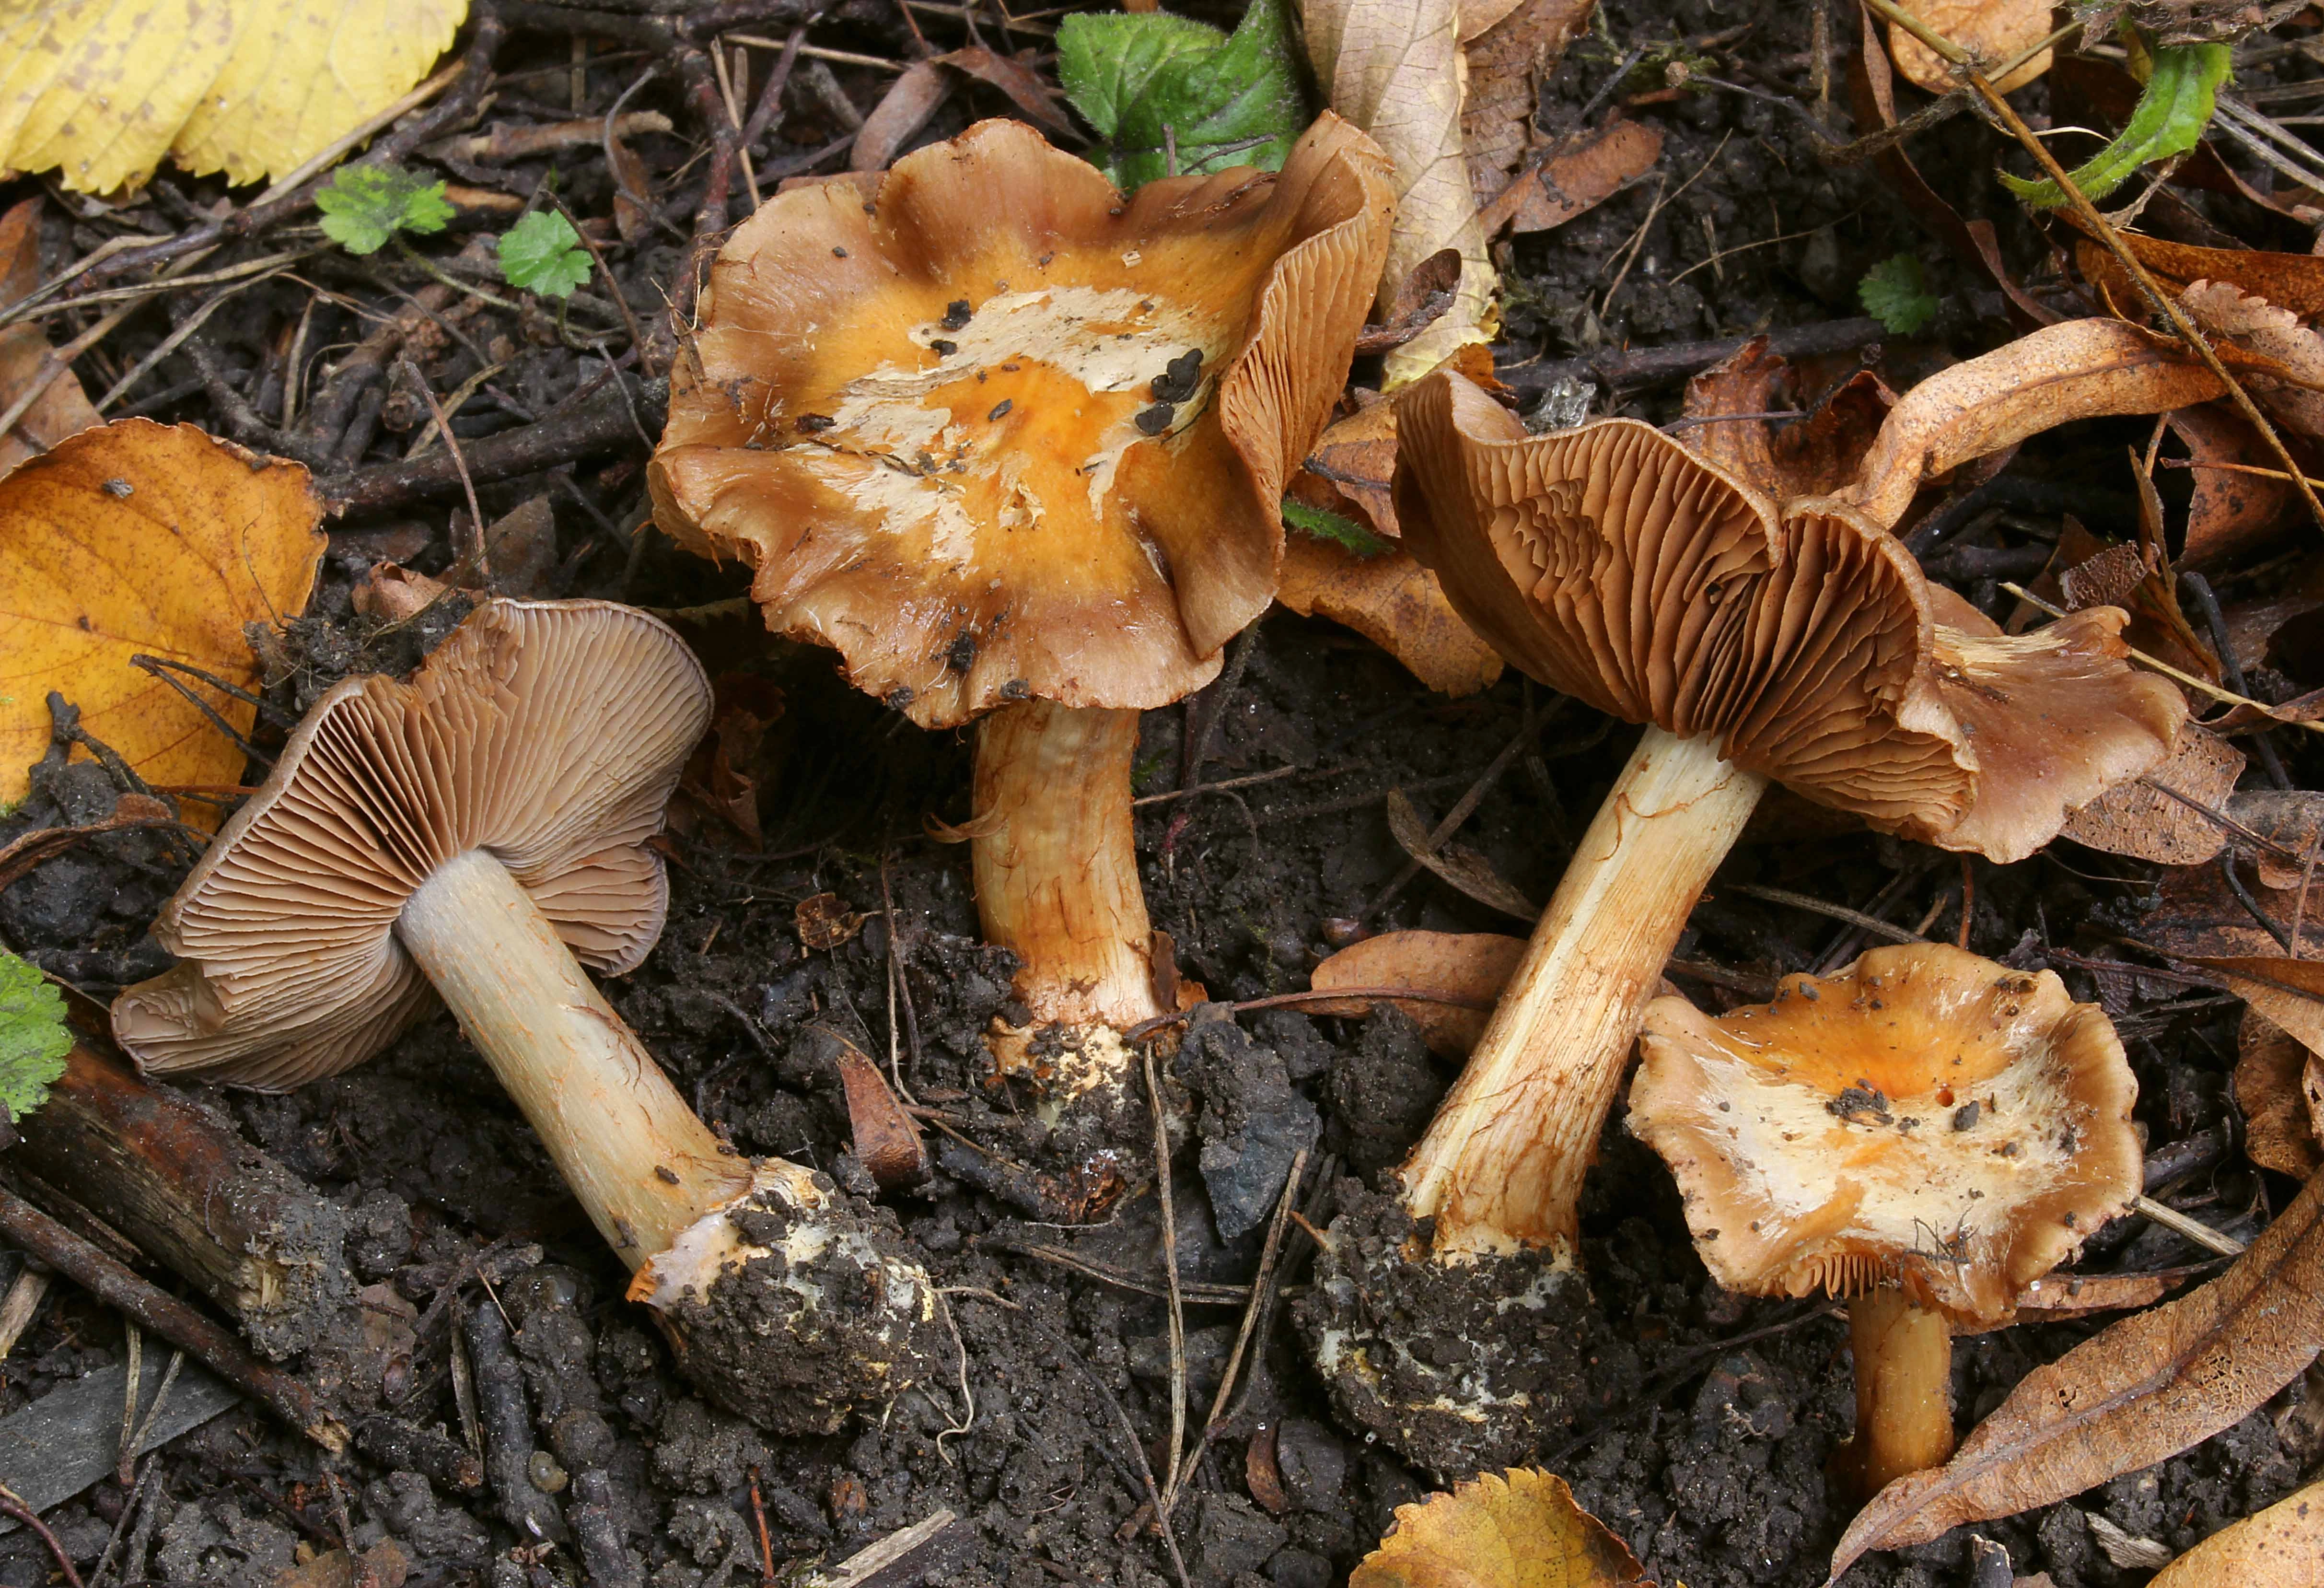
1461,1368
797,1304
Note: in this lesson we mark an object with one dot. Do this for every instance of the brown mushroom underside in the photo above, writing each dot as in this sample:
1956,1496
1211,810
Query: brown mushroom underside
551,743
956,430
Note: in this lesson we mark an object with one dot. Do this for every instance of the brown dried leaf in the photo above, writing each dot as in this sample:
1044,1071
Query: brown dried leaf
62,407
1024,86
2279,1124
1462,868
2290,824
1994,30
1507,62
881,1134
1351,465
24,853
396,594
2229,512
2226,313
825,922
2282,1546
1473,966
2289,281
1523,1530
2077,369
1393,602
1575,181
2151,1385
1395,72
630,217
2141,820
724,772
2063,1295
903,110
1261,1475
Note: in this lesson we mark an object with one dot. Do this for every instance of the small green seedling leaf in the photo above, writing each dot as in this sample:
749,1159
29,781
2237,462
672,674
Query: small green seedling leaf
34,1037
366,205
1326,525
542,253
1170,95
1894,293
2169,119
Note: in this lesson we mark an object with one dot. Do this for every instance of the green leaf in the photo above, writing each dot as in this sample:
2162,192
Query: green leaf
366,205
1326,525
34,1037
1894,293
543,253
1152,84
2169,119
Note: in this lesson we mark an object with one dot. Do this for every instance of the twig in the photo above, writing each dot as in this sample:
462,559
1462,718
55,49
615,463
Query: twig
767,1578
2179,1223
1145,1029
1838,912
14,1505
1170,1267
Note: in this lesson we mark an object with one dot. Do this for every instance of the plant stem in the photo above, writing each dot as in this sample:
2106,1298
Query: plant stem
1057,869
632,1151
1903,1390
1502,1163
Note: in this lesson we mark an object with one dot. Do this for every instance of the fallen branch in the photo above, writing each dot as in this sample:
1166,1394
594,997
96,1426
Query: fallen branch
594,424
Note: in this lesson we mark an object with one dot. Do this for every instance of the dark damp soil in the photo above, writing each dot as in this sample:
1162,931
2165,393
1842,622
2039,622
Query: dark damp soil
1698,1425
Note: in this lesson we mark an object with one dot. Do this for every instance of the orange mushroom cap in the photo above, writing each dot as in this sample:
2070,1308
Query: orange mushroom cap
994,430
1619,567
1925,1117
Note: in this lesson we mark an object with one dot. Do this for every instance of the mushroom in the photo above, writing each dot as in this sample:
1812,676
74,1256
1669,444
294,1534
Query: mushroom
473,837
1015,444
1763,635
1924,1132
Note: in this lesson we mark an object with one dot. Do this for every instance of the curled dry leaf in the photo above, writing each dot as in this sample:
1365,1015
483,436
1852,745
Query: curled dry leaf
100,92
2277,1083
131,811
1352,466
1523,1530
1462,868
1505,63
1994,30
2281,1547
62,407
2252,323
1574,181
904,109
2148,1388
2289,281
2159,818
825,922
880,1133
1393,602
145,537
1471,966
1395,72
2228,512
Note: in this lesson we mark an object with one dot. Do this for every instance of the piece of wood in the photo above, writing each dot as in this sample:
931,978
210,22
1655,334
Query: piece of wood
192,1195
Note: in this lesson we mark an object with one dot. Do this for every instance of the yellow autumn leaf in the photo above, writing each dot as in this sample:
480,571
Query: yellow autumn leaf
133,538
2283,1547
101,90
1519,1531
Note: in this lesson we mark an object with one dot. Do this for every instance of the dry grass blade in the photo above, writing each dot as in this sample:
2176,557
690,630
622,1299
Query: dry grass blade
2143,1391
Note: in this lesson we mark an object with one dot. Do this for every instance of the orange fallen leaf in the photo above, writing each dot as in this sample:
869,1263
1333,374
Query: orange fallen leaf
1393,602
1505,63
1352,466
2228,512
2289,281
140,536
1994,30
1473,966
62,407
1575,181
2282,1546
2272,1087
2147,1387
1523,1530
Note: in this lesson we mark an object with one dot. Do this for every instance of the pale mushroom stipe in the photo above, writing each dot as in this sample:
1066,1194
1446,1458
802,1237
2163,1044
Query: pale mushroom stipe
1765,628
475,835
1015,446
1923,1133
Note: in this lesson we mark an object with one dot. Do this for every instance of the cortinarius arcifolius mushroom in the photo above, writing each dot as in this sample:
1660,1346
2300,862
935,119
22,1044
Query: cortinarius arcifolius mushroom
474,835
1762,635
1925,1133
1015,444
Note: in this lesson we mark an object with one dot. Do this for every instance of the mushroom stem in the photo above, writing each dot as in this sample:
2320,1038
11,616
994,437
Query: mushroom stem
1502,1163
1903,1390
632,1151
1057,867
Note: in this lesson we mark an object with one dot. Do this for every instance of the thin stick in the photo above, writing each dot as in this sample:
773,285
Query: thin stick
2104,230
2201,686
767,1578
1145,1029
612,287
1177,1302
1838,912
23,1300
452,445
126,1462
2178,1223
13,1503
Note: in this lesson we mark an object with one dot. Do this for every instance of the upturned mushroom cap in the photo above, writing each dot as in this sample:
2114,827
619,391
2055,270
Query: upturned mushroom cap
1923,1117
549,734
996,432
1617,566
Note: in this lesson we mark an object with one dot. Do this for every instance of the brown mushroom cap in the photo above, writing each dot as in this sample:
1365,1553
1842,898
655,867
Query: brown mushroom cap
957,429
549,734
1617,566
1924,1116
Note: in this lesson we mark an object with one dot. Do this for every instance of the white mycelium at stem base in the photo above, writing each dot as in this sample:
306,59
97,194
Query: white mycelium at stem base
636,1156
1056,875
1502,1164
